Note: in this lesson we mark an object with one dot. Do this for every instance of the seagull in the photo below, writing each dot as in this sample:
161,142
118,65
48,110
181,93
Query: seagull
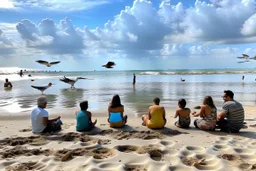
109,65
70,81
245,56
254,58
47,63
182,80
42,88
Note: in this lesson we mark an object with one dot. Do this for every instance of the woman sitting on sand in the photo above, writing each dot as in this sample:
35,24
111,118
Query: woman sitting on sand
116,117
156,116
83,118
184,115
208,113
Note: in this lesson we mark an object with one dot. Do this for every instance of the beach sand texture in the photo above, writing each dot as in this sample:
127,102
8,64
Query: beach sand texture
132,148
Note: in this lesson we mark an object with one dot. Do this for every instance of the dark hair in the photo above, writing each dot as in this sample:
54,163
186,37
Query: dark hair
208,101
229,93
84,105
116,102
6,80
182,103
156,100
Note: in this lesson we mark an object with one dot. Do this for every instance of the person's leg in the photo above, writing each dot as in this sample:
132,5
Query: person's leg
177,124
223,125
195,123
144,119
125,118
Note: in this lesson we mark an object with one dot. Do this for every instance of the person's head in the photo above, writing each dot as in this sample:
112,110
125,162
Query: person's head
42,101
84,105
182,103
116,101
156,100
208,101
228,95
6,80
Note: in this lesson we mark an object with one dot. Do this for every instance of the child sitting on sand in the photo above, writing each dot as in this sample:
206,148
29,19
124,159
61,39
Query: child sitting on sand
83,118
183,113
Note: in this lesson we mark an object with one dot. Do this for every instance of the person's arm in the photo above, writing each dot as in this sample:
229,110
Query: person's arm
221,116
164,114
202,111
176,114
46,120
10,84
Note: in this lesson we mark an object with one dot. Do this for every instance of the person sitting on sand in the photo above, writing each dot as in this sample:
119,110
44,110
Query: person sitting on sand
116,117
184,115
208,114
231,118
40,118
83,118
156,116
7,83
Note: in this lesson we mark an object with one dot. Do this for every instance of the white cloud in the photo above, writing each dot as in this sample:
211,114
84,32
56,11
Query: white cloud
249,27
61,5
6,4
55,39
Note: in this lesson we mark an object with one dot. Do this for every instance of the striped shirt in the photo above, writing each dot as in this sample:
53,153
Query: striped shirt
235,114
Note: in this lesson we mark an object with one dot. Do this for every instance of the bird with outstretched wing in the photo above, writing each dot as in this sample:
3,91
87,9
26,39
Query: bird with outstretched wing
110,64
71,81
46,63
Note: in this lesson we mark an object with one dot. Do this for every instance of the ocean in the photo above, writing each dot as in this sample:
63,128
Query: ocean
100,87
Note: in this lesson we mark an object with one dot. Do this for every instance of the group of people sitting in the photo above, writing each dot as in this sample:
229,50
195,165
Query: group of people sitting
230,120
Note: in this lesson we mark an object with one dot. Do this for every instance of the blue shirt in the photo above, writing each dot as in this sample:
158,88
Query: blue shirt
82,121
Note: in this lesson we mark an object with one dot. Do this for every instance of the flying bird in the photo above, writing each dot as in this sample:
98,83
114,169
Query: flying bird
245,56
47,63
42,88
71,81
109,65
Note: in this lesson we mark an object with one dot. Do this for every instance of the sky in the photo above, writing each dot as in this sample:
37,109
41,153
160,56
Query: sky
136,35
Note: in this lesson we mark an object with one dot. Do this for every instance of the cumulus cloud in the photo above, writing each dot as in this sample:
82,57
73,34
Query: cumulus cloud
249,27
180,50
61,39
6,45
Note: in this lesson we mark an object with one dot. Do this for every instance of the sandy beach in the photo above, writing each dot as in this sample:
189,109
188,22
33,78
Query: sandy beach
132,148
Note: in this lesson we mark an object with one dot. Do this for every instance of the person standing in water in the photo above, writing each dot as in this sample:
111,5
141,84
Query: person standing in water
21,73
134,79
7,83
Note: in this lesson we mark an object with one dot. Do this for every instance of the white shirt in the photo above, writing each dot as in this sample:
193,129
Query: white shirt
37,116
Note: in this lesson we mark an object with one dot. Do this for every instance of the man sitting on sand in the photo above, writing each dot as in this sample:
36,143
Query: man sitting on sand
7,83
40,118
156,116
84,118
231,119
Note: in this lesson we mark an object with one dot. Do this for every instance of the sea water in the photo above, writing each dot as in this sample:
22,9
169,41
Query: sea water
100,87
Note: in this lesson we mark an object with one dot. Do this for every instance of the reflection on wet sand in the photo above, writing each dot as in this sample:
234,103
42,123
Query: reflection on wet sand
71,97
31,101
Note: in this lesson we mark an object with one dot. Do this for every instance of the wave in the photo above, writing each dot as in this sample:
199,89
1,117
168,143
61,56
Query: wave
194,72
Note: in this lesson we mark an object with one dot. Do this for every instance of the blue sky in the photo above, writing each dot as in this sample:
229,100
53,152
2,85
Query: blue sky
139,34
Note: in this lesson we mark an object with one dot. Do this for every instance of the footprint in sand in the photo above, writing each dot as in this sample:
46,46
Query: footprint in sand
126,148
103,153
135,168
25,166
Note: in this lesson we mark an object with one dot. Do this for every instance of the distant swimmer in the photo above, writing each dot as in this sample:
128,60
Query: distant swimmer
134,79
109,65
42,88
21,73
243,77
46,63
29,75
7,83
182,80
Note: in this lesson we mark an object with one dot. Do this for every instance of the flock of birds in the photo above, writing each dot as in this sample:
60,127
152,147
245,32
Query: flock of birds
246,58
64,79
